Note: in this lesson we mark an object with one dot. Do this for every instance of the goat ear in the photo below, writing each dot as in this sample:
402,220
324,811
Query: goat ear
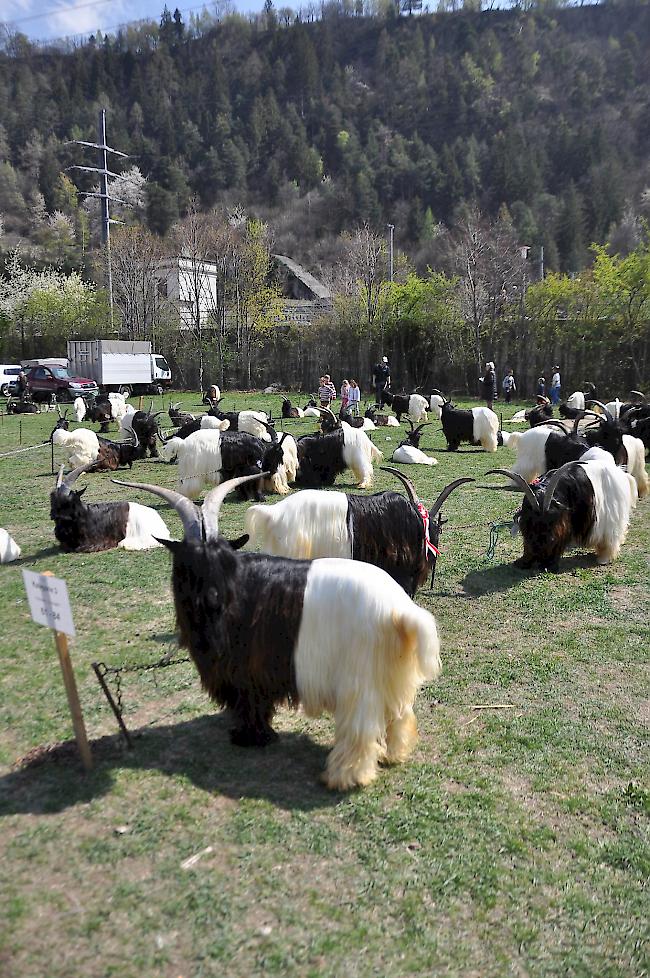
79,493
170,544
239,542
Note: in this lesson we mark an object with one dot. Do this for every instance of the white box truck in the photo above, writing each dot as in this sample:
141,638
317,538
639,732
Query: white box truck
126,366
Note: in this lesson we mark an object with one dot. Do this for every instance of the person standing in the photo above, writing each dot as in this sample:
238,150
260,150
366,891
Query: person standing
380,378
508,386
354,398
489,384
326,391
345,394
556,385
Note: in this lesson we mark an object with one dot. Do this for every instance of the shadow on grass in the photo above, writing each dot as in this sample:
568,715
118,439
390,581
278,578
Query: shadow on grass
52,551
490,580
285,773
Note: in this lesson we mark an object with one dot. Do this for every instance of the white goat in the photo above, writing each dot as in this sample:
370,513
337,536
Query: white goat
359,453
9,549
81,446
418,406
636,463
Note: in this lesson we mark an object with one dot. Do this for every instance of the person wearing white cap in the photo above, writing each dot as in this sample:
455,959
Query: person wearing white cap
556,384
380,378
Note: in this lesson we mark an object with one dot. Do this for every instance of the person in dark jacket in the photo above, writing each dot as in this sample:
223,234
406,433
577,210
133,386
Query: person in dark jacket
380,378
489,384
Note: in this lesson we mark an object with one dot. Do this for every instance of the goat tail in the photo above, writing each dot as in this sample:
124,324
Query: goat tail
614,498
418,634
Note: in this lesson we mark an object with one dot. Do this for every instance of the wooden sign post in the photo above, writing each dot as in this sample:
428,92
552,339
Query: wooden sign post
50,605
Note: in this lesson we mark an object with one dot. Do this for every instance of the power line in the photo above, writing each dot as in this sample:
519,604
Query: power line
56,10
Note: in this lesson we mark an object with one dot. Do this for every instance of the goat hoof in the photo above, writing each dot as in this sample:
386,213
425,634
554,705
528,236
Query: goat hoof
250,737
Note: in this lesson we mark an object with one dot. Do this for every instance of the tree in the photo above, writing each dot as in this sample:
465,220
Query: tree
137,258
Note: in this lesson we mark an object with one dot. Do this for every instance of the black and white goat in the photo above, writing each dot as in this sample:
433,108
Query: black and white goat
83,527
550,445
265,631
20,406
543,411
81,446
415,405
408,452
253,422
115,454
97,412
385,529
478,426
145,425
580,504
178,417
381,420
321,457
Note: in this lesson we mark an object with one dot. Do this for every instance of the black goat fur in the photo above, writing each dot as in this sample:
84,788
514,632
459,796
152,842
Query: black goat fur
320,458
113,455
244,454
539,414
146,428
457,426
239,617
398,402
387,530
568,521
86,527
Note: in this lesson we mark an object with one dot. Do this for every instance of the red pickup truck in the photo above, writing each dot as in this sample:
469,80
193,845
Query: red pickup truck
42,382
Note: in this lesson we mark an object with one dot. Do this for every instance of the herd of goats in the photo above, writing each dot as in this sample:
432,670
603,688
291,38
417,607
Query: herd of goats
297,621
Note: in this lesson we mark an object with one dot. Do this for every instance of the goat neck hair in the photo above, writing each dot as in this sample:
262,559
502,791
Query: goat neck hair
264,631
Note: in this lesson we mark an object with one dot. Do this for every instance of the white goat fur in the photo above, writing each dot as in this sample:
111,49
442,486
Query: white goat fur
118,405
9,549
287,471
417,408
311,523
311,412
614,497
143,524
409,455
208,421
529,445
369,424
253,423
199,461
81,446
396,649
636,463
577,400
79,408
359,454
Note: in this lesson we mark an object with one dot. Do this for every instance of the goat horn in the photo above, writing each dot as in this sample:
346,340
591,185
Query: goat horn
213,500
552,485
72,477
408,485
410,422
59,478
638,394
134,434
188,512
447,491
58,411
150,407
601,405
423,425
158,435
521,482
551,423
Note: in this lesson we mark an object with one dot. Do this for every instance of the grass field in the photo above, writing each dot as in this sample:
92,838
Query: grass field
514,842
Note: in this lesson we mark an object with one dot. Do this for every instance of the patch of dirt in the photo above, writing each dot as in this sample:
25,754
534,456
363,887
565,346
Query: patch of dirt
632,601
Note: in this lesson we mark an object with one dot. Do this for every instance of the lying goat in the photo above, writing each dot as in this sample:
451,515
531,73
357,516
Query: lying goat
265,631
289,411
478,426
543,411
408,451
115,454
321,457
415,405
178,417
253,422
14,406
384,529
580,504
9,549
80,446
88,527
381,420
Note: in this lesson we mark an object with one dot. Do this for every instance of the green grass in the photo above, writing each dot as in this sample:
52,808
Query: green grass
515,841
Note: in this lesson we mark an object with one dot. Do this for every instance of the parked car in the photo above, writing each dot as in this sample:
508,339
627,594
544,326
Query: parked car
8,378
43,381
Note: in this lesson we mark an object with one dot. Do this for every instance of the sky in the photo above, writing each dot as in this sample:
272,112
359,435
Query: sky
43,20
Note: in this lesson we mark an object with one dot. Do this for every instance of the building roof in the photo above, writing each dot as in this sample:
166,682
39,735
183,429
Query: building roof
320,291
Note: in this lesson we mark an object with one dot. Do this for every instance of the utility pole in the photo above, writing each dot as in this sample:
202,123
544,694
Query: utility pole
391,232
103,195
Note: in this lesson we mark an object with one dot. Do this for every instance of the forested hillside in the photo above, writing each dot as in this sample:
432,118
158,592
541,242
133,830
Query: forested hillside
400,119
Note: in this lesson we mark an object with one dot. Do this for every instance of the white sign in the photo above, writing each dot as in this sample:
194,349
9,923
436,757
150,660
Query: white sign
49,602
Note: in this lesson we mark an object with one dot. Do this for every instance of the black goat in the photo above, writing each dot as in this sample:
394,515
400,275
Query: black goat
21,407
265,631
145,425
478,426
115,454
539,414
178,417
243,454
89,527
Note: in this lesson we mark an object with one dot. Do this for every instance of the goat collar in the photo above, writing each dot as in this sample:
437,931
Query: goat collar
429,549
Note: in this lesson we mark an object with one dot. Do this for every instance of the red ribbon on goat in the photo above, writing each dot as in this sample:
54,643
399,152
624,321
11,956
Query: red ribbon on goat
428,546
